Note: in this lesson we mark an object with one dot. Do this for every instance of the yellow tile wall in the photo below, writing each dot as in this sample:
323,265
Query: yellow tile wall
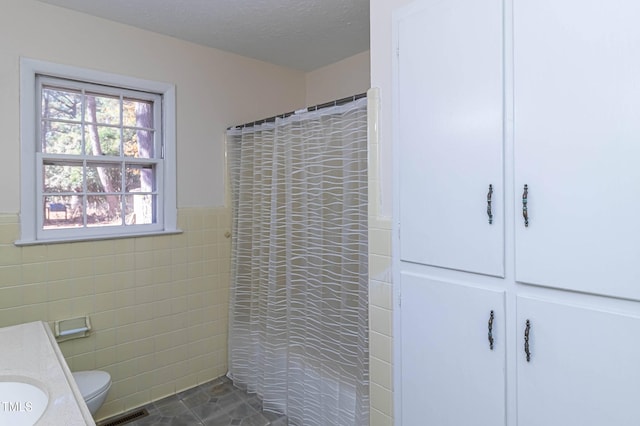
380,323
158,305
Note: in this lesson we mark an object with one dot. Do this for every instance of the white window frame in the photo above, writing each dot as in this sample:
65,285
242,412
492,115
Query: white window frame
31,182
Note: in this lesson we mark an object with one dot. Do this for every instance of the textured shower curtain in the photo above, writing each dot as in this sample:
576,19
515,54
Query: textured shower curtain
298,331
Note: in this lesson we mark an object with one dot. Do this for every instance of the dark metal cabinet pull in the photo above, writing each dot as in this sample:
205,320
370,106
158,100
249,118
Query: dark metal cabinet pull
525,199
491,330
489,213
526,340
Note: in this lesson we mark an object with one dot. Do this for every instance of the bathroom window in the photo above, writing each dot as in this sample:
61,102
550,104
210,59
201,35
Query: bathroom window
98,155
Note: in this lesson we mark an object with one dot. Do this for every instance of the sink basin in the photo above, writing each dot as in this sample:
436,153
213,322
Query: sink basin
22,401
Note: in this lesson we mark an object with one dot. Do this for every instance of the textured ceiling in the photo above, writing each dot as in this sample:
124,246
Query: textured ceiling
299,34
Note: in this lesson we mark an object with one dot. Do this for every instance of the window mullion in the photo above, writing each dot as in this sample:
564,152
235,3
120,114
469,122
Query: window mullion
83,132
123,191
121,125
123,202
85,189
83,122
158,144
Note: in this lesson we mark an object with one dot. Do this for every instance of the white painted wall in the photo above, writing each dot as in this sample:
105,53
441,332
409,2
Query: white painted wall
350,76
383,399
381,59
215,89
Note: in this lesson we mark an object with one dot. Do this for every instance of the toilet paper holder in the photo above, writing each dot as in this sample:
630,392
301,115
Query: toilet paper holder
72,328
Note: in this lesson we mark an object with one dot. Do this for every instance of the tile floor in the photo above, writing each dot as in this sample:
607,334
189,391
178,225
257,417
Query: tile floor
216,403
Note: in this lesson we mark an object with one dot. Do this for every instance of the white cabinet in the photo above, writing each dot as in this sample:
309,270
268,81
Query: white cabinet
453,353
577,144
450,127
583,368
566,76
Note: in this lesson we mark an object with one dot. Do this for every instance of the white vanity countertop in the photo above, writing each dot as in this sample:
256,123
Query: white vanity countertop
30,350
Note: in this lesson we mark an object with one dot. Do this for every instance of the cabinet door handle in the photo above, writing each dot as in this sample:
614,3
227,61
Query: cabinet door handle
525,199
526,340
489,213
491,330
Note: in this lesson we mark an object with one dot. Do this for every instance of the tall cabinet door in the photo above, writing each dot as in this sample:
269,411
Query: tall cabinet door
452,373
583,366
450,134
577,144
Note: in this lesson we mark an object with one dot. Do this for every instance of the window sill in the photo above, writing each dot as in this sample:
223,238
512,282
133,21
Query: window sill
21,243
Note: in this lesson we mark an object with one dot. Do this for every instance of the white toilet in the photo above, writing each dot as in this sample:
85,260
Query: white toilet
94,386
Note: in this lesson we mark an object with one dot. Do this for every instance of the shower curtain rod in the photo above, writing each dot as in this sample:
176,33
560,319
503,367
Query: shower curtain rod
309,109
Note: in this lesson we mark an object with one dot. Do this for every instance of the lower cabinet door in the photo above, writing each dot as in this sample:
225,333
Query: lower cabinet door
452,375
583,367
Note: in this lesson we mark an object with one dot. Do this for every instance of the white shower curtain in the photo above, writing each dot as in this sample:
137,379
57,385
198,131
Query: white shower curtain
298,331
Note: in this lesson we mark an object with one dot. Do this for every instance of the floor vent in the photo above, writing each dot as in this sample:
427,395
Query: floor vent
125,418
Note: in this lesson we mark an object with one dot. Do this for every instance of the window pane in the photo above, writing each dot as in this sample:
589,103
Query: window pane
102,140
63,104
140,178
62,178
138,143
62,211
140,209
143,147
104,178
104,210
138,113
130,142
61,138
102,109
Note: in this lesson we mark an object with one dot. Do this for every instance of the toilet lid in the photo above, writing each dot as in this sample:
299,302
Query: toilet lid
92,383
